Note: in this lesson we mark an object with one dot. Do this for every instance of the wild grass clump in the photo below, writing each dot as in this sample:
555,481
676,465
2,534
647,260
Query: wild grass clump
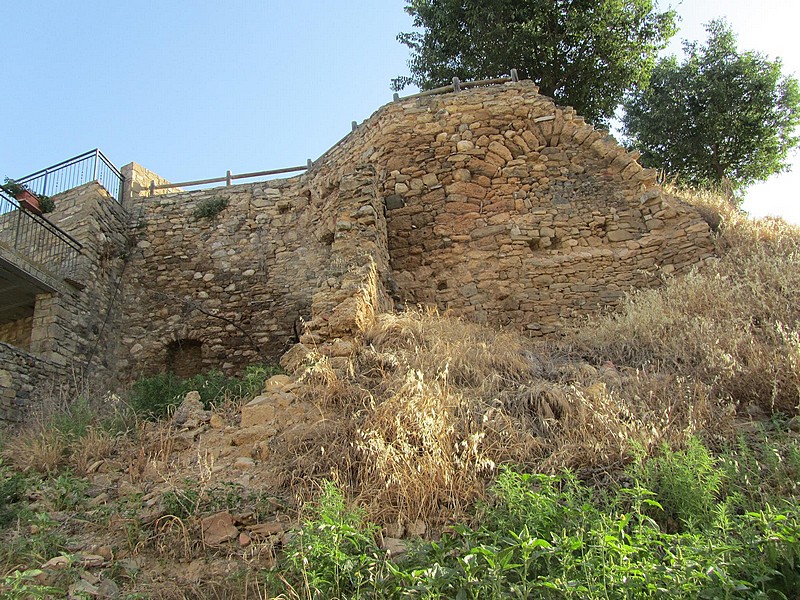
70,435
432,405
733,325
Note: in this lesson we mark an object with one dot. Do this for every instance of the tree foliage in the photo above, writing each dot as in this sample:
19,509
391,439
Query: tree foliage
582,53
716,116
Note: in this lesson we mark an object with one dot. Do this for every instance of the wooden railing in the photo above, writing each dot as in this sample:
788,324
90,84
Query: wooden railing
228,179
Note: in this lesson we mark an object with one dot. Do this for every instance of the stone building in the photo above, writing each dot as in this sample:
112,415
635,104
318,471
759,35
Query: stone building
493,203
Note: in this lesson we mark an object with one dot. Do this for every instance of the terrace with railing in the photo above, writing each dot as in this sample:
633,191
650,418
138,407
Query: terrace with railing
32,237
73,172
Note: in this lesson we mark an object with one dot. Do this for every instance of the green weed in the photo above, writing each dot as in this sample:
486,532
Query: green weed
555,537
210,207
23,585
334,555
686,483
153,397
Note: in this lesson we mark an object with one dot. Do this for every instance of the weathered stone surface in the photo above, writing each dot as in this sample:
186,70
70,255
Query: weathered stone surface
503,208
218,529
191,412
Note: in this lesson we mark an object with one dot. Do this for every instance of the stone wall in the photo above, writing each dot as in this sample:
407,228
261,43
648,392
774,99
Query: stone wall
81,323
283,259
24,378
136,183
505,208
493,203
73,331
238,282
17,333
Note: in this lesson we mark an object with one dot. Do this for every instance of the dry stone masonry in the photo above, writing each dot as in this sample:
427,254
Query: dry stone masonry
494,203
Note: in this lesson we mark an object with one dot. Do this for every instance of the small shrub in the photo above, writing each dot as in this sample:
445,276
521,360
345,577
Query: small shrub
152,397
686,484
334,555
35,539
24,585
210,207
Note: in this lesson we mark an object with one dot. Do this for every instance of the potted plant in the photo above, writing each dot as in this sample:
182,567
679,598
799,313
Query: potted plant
27,199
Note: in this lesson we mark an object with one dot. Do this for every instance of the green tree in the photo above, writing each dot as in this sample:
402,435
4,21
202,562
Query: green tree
582,53
717,116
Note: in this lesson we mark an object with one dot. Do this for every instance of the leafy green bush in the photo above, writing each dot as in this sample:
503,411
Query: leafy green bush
555,537
334,555
210,207
65,492
153,397
686,483
46,203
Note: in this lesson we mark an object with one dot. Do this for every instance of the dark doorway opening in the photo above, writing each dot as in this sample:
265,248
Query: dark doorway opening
185,357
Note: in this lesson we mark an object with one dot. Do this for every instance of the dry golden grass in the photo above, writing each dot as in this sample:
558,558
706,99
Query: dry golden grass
36,449
733,324
62,435
431,405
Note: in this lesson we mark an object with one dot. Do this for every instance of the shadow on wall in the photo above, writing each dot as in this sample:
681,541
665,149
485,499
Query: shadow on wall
185,357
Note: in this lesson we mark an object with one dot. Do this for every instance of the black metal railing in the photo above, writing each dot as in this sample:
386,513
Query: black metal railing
37,240
75,171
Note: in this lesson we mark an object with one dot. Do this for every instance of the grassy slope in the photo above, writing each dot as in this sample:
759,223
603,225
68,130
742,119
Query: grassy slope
432,408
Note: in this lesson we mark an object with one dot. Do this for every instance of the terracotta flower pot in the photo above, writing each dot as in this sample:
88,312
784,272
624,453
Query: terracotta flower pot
29,201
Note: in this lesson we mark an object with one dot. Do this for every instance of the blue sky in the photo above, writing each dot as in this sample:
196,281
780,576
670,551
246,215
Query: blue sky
191,89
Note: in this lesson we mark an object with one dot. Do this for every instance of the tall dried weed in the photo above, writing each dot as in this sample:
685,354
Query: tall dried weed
732,324
431,405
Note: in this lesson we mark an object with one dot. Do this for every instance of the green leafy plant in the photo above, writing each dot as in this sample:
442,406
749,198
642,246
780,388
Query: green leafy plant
65,492
24,585
183,502
334,554
686,483
152,397
210,207
13,188
34,539
46,203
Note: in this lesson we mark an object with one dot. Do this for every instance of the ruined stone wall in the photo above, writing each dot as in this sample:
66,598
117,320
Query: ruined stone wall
17,333
238,282
510,210
283,259
493,203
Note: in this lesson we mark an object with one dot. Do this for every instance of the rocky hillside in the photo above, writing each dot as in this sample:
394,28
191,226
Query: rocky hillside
99,498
